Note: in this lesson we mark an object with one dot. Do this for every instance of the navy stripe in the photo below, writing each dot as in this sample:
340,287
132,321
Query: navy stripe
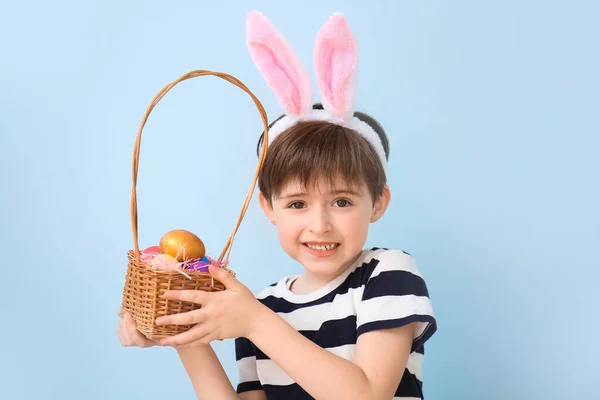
396,323
290,392
331,334
259,354
339,332
249,386
409,386
361,275
283,306
243,348
325,339
395,283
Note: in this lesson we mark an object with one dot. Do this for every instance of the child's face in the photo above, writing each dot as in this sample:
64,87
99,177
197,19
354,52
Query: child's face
324,230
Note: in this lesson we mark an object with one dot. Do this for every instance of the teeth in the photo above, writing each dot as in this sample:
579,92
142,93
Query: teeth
322,247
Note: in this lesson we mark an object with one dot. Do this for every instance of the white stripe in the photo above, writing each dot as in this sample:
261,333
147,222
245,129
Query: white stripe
415,365
271,374
396,260
247,369
311,318
392,307
268,291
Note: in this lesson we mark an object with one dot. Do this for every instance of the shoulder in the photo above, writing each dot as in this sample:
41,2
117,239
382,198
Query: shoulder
382,261
394,294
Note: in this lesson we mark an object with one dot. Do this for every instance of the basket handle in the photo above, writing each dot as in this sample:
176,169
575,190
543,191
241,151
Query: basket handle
136,154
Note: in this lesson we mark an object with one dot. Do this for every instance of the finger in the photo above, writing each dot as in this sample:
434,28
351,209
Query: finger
192,296
224,276
193,334
136,336
186,318
125,335
122,333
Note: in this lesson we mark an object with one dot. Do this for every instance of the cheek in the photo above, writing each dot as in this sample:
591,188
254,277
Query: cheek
356,226
287,226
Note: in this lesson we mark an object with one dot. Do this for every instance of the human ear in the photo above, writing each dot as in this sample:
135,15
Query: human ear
381,204
267,207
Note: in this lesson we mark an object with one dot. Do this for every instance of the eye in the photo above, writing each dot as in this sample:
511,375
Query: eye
342,203
297,205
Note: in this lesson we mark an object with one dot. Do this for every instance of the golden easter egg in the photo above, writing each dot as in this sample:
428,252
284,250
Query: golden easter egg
182,244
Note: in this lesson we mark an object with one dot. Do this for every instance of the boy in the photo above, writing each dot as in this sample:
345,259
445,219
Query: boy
353,324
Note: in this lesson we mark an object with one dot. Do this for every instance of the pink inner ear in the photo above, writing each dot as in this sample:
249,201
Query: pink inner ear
335,60
282,82
279,65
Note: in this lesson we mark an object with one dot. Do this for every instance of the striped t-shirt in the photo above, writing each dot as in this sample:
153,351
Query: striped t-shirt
382,289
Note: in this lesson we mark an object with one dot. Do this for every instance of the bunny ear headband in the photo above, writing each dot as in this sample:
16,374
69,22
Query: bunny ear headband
335,60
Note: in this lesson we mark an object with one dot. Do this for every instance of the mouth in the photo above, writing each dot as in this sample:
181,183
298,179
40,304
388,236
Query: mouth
322,247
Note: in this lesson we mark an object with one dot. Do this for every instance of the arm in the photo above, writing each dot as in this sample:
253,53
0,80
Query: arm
375,373
254,395
206,373
208,377
201,363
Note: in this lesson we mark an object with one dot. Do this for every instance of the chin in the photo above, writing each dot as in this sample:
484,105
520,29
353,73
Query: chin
326,263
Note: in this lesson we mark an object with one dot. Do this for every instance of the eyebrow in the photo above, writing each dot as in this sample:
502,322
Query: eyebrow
300,194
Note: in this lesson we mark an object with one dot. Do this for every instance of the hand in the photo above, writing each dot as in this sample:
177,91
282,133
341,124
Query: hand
227,314
129,336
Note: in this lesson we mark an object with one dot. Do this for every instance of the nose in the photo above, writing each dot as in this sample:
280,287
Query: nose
320,222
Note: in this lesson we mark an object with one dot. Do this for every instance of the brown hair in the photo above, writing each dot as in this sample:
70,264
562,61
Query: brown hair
318,149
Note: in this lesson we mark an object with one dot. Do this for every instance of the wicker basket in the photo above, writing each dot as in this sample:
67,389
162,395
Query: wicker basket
143,294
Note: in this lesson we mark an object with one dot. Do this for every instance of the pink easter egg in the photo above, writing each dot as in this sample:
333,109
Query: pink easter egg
149,253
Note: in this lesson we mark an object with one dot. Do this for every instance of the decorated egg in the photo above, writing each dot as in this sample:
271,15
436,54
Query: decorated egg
147,257
198,265
182,244
148,254
164,261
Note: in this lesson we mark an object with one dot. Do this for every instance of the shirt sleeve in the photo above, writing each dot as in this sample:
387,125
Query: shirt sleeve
246,362
395,295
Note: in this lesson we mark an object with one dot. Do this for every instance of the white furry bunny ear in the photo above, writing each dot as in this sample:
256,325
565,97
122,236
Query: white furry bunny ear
335,59
279,65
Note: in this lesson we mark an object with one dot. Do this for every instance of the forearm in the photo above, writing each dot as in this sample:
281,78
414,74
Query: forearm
321,373
206,373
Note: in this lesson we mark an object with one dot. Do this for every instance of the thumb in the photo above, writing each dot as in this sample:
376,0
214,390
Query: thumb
223,276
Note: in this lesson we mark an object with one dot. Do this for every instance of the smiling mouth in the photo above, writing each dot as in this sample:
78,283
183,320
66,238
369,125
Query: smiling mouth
322,247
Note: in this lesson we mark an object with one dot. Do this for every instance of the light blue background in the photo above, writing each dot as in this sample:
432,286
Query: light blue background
492,112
